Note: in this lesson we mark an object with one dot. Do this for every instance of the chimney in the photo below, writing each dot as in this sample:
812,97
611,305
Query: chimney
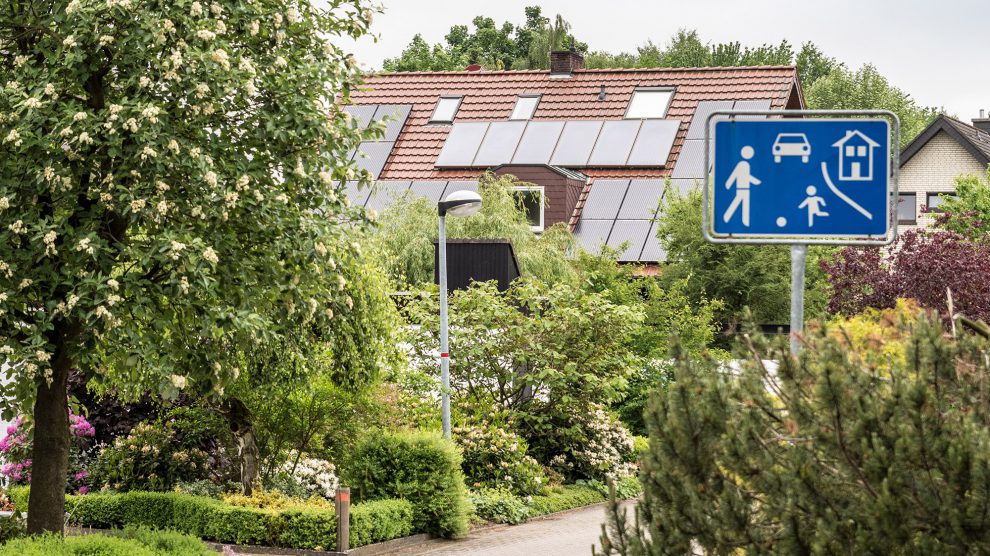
982,123
564,62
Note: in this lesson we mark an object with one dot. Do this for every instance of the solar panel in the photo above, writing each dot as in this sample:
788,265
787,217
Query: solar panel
396,114
604,199
752,105
614,143
462,144
453,186
652,147
633,234
641,200
592,234
499,144
538,142
652,250
432,190
362,113
357,197
576,142
371,156
385,194
705,109
691,161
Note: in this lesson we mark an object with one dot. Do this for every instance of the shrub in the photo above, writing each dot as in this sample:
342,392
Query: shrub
129,542
835,452
16,448
603,450
564,498
423,468
496,458
305,476
499,505
275,500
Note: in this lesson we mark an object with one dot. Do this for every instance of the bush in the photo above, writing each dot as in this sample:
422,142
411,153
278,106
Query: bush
838,451
300,526
499,506
423,468
304,476
496,458
129,542
603,450
16,448
275,500
564,498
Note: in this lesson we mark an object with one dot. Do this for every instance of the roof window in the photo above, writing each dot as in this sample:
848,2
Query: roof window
446,110
525,107
649,103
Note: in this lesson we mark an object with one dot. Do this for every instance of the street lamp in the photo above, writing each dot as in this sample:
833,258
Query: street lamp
458,203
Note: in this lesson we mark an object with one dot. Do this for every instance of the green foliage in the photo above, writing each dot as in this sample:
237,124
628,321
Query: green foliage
423,468
844,450
844,89
969,211
404,239
564,498
499,505
547,358
757,277
625,487
158,455
12,526
495,457
164,542
131,541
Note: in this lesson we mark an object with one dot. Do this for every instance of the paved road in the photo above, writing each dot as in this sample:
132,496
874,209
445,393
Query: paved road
569,534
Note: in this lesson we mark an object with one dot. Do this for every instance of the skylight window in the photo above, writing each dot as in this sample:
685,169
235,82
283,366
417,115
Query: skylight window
446,110
525,107
649,103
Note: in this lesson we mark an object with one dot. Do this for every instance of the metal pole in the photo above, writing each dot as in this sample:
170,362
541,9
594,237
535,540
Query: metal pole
444,355
799,255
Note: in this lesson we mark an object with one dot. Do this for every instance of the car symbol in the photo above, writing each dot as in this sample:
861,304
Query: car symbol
791,144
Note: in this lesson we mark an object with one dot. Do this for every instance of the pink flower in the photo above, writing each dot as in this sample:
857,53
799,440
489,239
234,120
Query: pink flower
83,490
82,474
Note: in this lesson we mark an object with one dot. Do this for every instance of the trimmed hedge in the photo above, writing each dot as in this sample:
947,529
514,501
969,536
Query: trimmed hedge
422,468
129,542
211,519
566,498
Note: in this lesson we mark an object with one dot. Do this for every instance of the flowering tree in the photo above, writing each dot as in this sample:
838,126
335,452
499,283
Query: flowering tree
169,193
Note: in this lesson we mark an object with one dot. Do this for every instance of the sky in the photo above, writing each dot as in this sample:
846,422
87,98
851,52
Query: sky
936,50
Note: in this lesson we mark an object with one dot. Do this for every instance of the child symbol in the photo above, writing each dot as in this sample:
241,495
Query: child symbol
814,205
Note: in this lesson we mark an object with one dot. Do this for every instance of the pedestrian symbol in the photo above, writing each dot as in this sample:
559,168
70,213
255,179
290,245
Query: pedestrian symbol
801,178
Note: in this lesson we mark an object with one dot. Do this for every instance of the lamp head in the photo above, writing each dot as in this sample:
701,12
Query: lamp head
460,203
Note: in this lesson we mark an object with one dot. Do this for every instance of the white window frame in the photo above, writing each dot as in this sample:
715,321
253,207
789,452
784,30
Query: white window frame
519,98
543,204
457,107
631,116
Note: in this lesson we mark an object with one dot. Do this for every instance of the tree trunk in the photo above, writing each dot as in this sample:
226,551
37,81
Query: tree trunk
50,454
239,418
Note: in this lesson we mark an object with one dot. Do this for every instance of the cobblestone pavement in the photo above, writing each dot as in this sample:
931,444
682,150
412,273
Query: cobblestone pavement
569,534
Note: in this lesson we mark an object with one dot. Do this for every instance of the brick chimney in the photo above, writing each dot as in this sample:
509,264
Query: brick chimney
982,123
564,62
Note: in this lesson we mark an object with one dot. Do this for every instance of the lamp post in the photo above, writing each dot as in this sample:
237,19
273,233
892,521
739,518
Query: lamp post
458,203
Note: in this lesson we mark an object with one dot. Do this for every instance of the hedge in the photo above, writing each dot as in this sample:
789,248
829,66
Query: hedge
211,519
423,468
566,498
129,542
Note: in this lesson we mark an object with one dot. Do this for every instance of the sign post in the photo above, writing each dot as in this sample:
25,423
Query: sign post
810,178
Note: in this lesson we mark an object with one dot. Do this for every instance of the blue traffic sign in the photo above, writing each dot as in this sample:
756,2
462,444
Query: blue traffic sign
801,178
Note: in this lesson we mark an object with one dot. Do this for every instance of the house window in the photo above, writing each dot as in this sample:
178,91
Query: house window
525,107
935,200
446,110
850,150
861,150
531,200
907,208
649,103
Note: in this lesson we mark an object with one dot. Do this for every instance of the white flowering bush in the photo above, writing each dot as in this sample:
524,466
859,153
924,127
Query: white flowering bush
171,179
496,458
605,452
306,476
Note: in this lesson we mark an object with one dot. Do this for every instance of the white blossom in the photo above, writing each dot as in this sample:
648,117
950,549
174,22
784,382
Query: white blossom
245,65
216,9
49,241
184,284
79,116
85,246
131,125
282,198
25,283
210,178
201,90
292,14
231,199
137,205
326,178
221,57
106,40
206,35
349,302
50,90
144,82
72,7
13,137
176,249
178,381
70,41
173,146
320,249
211,256
280,62
4,203
113,299
32,103
196,9
113,284
42,356
17,227
254,28
341,282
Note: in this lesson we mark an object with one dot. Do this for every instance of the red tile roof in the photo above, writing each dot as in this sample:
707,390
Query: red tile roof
491,95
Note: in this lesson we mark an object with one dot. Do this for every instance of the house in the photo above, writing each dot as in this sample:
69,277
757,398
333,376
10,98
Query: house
931,163
855,156
595,145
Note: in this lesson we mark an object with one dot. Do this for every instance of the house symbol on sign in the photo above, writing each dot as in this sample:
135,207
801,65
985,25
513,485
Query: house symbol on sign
855,156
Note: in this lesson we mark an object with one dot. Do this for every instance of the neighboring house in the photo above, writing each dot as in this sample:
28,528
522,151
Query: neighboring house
930,165
856,156
596,145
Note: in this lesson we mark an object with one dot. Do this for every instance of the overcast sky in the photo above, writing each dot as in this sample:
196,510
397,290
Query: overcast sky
936,50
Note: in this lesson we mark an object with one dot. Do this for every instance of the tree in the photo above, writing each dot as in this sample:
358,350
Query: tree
420,56
740,276
813,64
968,212
404,239
845,450
844,89
922,265
170,184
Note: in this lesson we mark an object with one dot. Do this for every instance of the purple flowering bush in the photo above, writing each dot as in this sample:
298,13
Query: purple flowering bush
15,449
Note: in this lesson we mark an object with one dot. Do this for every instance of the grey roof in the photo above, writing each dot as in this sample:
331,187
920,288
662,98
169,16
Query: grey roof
592,234
396,115
642,199
705,109
371,156
604,199
973,139
632,234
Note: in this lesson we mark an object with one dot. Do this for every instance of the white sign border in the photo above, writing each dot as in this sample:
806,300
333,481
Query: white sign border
893,161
